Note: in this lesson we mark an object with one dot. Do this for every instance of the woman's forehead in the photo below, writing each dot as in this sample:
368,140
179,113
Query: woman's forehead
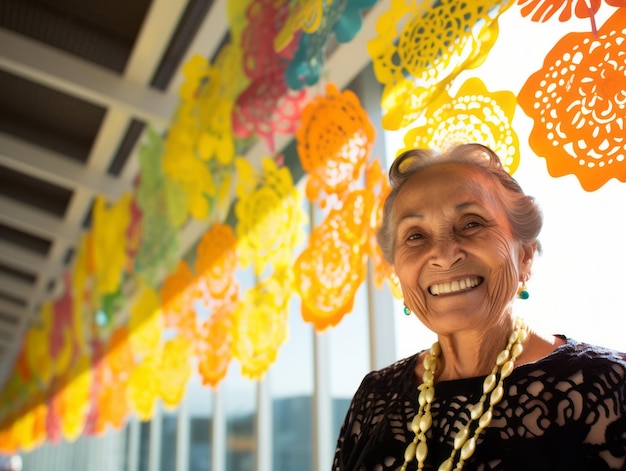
451,180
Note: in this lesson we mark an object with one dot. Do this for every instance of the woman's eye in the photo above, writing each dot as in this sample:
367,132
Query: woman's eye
415,236
472,224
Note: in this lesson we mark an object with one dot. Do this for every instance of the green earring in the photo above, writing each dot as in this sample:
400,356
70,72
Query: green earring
407,311
522,292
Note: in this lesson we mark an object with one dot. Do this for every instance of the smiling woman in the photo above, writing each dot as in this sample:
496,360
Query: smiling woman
491,393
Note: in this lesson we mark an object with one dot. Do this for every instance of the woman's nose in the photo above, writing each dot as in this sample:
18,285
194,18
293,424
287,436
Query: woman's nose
446,252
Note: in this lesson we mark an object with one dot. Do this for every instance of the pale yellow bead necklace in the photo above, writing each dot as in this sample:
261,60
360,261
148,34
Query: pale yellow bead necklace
464,444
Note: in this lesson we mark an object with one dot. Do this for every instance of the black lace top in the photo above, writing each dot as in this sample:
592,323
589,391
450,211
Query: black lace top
566,411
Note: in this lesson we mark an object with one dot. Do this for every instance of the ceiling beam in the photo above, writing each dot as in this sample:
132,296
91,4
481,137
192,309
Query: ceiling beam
35,221
50,166
153,40
20,258
14,286
69,74
12,310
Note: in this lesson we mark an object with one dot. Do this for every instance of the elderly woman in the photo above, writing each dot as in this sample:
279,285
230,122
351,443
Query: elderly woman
490,394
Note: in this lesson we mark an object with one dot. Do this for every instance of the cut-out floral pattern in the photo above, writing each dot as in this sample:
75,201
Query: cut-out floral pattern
174,370
330,269
146,322
110,223
267,201
260,324
73,399
339,17
304,15
266,107
143,388
543,10
163,206
474,114
334,142
377,185
214,345
435,43
177,295
577,102
216,259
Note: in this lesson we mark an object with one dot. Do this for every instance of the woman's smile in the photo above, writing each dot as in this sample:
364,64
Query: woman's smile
455,286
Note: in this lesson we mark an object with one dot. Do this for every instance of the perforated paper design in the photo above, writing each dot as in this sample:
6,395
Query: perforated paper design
435,43
577,102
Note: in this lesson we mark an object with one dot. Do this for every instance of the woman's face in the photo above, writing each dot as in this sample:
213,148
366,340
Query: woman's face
457,261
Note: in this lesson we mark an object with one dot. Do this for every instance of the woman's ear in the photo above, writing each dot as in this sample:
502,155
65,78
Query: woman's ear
527,258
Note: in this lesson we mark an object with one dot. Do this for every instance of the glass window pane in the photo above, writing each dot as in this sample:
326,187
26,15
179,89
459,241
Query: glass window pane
144,446
350,355
291,390
169,434
240,405
200,407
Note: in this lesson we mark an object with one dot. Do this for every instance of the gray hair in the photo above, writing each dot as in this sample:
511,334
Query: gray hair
522,212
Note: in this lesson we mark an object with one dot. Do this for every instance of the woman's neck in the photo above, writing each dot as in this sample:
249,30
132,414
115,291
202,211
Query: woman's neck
471,354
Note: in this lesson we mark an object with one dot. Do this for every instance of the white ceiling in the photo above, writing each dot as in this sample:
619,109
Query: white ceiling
78,81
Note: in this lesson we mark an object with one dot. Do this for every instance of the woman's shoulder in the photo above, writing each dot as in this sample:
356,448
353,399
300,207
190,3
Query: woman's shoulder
399,374
587,361
575,350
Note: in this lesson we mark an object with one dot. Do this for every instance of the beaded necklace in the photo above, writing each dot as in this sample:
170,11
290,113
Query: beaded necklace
493,389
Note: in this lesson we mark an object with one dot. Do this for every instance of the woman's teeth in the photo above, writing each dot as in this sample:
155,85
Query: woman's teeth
454,286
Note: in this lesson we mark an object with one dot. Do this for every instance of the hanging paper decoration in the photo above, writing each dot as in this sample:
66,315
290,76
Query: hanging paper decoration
8,441
143,388
72,401
62,345
266,202
119,356
113,407
474,114
133,235
163,206
82,307
29,429
304,15
207,102
341,17
174,370
543,10
177,295
188,173
377,185
577,102
183,162
260,323
37,346
436,43
214,345
266,106
237,18
109,242
109,402
146,322
334,142
53,419
330,269
216,260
